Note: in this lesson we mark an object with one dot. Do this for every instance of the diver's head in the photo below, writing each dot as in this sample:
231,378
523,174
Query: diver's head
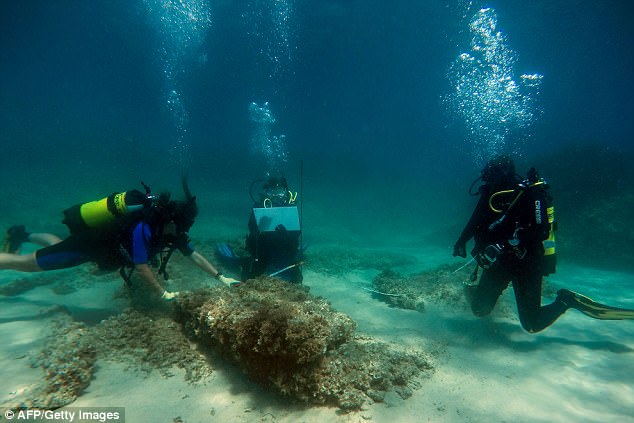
275,182
499,170
275,190
184,212
181,214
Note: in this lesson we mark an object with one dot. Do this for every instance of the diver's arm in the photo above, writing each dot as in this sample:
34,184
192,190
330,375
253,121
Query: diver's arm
145,271
474,221
204,264
140,252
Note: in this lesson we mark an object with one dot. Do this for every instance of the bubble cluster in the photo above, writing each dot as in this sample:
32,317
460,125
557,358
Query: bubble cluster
180,116
463,7
270,26
485,95
180,26
272,147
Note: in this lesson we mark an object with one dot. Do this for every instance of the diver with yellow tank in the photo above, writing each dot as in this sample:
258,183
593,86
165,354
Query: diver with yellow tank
513,226
125,231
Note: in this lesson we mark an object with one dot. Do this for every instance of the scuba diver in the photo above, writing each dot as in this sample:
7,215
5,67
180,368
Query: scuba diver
125,231
513,228
273,241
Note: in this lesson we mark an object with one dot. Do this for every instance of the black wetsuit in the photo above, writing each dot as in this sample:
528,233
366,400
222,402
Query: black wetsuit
527,222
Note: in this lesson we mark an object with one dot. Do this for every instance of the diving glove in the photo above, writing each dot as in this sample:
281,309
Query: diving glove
230,282
460,249
169,296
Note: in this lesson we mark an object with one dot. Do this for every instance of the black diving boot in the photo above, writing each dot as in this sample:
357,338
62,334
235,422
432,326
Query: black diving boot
14,238
567,298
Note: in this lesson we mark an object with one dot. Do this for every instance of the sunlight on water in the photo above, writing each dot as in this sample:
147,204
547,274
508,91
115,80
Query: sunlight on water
272,147
486,96
270,25
181,26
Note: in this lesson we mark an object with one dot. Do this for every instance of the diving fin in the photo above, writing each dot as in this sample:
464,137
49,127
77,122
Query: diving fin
593,309
225,253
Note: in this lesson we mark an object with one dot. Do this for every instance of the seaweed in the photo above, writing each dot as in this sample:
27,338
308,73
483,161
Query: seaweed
150,342
25,284
68,360
279,334
338,260
295,343
442,285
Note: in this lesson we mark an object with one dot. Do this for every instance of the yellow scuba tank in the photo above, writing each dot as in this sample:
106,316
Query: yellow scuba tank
94,214
550,249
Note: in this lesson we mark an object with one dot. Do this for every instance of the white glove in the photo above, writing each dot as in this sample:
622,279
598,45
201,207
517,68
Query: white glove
169,296
228,281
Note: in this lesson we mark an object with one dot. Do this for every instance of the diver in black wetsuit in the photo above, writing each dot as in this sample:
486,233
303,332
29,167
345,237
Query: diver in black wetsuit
274,235
509,225
513,226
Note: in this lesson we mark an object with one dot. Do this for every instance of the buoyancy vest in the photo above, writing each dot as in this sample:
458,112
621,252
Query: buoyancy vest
535,217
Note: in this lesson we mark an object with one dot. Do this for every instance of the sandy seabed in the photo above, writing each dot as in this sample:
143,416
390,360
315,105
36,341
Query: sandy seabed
485,370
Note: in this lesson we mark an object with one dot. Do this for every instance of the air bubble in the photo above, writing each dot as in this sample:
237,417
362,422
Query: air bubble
485,95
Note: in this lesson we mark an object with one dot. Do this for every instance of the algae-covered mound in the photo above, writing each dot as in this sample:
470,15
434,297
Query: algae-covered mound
364,368
141,341
282,337
22,285
589,227
441,286
289,340
338,260
594,202
68,360
149,342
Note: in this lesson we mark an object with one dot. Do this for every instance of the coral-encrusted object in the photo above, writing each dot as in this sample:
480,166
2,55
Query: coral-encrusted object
289,340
